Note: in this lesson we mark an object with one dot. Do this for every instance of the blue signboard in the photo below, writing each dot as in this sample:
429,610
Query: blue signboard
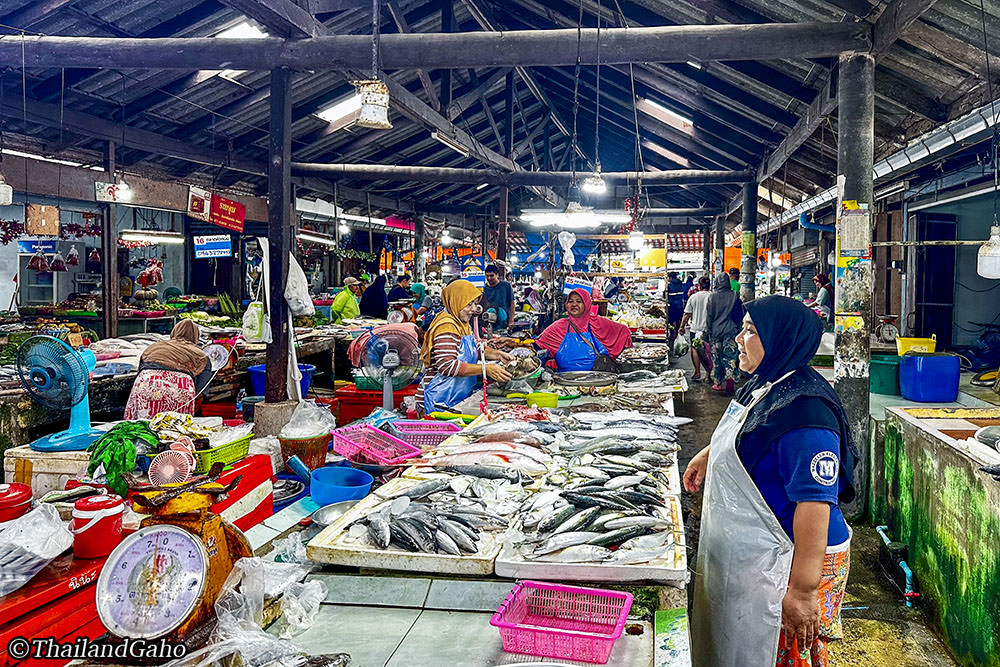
31,246
212,247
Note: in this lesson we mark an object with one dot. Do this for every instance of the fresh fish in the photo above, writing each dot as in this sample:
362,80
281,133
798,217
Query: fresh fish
424,489
624,481
446,544
618,536
402,537
418,533
378,531
639,498
634,556
500,458
556,518
590,472
578,521
643,521
540,500
486,472
614,470
628,462
599,500
653,459
500,436
504,425
583,553
653,541
599,524
563,541
462,536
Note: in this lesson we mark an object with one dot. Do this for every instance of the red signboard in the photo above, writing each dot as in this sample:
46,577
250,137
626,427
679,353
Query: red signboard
227,213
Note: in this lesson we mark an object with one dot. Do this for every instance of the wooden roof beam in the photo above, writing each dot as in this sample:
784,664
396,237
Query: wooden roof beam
460,50
425,79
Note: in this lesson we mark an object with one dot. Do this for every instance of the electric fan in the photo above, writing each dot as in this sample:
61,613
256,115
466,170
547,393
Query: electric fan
58,377
391,356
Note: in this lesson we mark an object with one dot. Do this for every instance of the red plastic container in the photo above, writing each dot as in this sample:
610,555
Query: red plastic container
224,410
96,525
356,404
15,501
252,500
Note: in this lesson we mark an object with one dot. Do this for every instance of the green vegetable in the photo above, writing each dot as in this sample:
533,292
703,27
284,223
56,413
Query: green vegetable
116,451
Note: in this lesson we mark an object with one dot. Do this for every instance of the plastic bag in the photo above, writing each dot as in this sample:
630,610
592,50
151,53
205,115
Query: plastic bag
38,262
73,257
566,240
29,543
291,549
256,324
270,446
309,421
297,290
681,345
58,263
299,606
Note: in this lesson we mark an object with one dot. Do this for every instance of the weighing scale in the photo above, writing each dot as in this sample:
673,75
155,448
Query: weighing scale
164,578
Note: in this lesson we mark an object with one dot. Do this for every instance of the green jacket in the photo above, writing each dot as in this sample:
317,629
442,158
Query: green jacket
344,307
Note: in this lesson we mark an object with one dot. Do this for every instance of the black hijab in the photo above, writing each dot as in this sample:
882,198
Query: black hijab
374,302
790,333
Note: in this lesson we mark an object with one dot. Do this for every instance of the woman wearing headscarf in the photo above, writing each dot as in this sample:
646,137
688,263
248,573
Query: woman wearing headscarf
725,310
452,366
374,301
774,550
171,373
575,341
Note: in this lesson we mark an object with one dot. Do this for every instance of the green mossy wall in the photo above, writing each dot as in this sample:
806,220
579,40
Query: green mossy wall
948,515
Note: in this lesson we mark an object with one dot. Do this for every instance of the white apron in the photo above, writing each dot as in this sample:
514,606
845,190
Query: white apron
744,559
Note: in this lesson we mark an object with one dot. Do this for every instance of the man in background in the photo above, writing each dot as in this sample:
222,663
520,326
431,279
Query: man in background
734,279
345,304
499,295
401,292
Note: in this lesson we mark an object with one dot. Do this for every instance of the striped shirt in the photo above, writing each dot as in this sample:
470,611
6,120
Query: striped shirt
444,361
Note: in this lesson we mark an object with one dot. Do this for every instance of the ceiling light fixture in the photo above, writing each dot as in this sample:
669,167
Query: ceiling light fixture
344,228
481,186
310,236
636,240
594,184
151,236
451,143
574,216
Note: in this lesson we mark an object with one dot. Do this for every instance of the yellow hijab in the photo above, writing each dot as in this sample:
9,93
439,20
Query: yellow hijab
455,296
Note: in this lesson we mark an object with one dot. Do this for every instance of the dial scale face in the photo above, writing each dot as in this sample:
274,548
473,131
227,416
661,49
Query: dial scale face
152,582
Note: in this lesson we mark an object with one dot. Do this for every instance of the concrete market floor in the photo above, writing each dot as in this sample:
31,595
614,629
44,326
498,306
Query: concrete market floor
878,628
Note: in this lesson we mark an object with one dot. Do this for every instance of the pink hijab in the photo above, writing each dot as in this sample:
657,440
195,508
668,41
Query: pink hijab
612,335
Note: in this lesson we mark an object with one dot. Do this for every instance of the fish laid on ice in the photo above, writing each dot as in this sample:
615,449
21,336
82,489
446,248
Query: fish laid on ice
635,556
583,553
578,521
563,541
424,489
486,472
644,521
624,481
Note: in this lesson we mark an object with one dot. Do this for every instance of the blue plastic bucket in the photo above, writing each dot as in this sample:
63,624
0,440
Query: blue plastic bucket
258,378
929,377
333,484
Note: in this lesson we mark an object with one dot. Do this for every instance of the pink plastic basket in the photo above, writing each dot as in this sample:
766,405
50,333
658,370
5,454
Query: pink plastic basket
565,622
424,433
367,444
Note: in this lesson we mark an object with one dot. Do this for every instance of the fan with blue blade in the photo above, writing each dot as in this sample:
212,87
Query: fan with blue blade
58,377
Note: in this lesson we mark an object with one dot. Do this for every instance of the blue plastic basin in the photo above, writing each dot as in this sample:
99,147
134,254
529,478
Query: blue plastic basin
333,484
258,378
929,377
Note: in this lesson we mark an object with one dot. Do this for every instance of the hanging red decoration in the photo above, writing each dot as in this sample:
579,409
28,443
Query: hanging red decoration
10,230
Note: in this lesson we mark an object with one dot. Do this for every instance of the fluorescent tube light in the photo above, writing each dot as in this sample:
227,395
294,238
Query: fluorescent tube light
151,236
451,143
310,236
665,115
481,186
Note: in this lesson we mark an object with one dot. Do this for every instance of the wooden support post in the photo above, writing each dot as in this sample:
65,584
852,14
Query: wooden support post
447,25
109,254
853,300
279,216
748,261
720,244
419,262
707,249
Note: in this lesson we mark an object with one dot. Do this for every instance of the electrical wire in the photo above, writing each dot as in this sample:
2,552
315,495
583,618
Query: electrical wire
597,112
576,85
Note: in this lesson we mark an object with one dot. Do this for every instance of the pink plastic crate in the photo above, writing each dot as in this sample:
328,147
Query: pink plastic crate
367,444
423,432
565,622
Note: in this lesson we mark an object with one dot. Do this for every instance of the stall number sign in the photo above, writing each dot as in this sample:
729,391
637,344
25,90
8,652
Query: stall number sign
211,247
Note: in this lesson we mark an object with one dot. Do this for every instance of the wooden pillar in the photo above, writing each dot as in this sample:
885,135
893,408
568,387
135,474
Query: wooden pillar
447,25
502,229
109,254
420,233
748,260
707,249
279,218
720,244
853,301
